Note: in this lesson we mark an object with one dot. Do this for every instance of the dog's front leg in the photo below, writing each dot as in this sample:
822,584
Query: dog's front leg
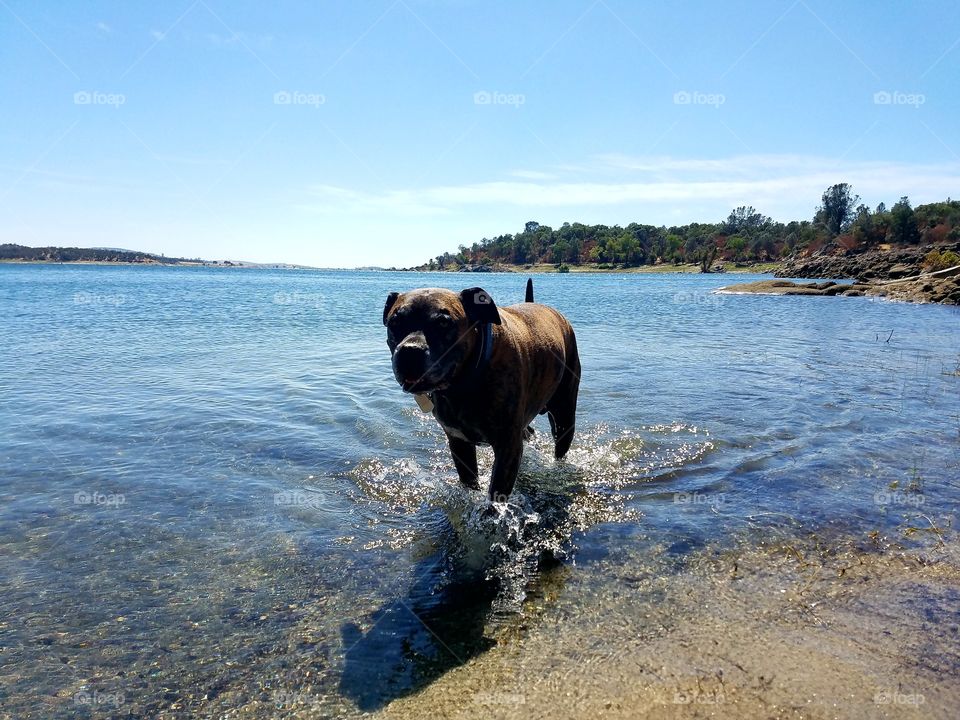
465,460
506,463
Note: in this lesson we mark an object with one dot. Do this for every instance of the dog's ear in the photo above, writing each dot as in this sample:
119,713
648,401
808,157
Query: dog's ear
388,305
479,306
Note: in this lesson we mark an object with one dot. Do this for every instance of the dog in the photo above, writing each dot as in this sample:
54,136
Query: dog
486,373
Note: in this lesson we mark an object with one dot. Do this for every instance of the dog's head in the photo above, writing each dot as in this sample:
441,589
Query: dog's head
431,334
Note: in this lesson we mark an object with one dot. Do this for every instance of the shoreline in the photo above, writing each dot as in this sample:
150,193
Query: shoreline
787,630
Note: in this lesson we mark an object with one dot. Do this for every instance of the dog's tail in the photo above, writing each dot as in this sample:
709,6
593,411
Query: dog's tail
529,297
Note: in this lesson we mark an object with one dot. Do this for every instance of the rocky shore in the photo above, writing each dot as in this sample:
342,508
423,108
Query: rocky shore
942,287
897,274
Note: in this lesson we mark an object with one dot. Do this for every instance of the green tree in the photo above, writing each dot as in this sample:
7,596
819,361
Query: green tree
866,231
903,223
707,257
744,219
674,243
736,245
837,208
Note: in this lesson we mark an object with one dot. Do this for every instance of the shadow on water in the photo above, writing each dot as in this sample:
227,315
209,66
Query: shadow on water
490,559
414,640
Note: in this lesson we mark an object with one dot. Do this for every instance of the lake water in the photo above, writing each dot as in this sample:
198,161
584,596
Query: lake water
214,496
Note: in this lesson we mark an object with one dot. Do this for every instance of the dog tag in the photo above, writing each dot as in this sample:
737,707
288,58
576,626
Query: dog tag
424,401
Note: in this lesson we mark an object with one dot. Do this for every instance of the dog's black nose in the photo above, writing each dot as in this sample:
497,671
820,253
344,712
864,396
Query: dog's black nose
410,362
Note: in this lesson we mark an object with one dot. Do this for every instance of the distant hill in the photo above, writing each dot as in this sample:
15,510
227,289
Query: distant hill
72,254
22,253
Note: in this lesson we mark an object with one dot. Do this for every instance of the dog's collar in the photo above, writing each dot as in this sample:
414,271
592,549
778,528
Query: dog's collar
484,353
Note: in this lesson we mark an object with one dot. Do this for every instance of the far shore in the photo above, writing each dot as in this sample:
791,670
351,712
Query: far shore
180,264
105,262
665,268
684,268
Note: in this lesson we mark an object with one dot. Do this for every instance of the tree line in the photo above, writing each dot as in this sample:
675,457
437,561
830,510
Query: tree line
9,251
840,223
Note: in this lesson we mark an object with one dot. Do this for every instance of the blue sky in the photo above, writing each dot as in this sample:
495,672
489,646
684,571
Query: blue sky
385,132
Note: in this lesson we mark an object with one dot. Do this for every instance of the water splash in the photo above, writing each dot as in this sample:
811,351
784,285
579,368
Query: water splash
508,544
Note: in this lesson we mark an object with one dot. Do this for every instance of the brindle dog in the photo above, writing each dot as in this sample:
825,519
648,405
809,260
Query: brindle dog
487,372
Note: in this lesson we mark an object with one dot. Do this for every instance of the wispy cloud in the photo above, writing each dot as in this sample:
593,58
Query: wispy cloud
104,28
224,39
775,184
733,165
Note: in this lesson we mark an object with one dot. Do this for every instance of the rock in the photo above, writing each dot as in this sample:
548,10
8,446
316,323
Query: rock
895,273
774,287
902,270
945,290
892,264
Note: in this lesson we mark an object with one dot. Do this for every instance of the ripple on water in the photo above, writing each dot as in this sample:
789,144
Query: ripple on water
294,537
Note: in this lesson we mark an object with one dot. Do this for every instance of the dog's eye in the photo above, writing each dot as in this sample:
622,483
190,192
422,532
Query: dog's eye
393,326
443,321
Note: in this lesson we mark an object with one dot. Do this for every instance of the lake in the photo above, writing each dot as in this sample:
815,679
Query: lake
214,497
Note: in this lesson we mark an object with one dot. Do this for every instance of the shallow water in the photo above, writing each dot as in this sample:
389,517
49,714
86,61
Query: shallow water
212,492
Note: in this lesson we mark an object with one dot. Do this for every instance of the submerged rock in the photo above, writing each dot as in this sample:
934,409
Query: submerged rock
786,287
